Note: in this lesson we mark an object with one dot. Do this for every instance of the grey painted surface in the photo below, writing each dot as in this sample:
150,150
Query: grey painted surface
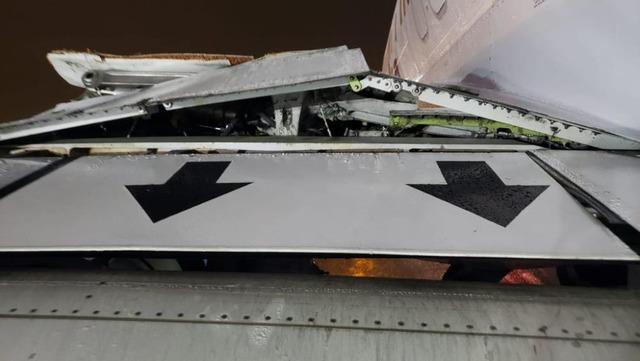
613,179
12,169
571,59
270,75
196,316
271,71
339,203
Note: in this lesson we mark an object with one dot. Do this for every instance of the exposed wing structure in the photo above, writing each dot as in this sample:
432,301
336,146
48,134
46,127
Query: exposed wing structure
295,163
289,78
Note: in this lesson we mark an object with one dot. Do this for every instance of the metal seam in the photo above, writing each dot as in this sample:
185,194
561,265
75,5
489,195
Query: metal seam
34,176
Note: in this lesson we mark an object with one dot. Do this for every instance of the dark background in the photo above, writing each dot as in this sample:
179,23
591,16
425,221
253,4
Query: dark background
29,29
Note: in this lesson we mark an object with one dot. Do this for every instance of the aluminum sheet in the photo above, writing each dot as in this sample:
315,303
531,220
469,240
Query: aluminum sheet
196,316
610,178
395,204
13,169
70,115
271,75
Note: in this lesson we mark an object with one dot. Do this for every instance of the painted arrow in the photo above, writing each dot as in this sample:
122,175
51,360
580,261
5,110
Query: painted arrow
193,184
475,187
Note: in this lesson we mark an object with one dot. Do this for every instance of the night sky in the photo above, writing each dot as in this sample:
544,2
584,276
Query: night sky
29,29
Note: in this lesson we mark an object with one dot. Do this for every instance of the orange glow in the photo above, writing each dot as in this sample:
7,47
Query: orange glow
407,268
411,268
361,267
533,276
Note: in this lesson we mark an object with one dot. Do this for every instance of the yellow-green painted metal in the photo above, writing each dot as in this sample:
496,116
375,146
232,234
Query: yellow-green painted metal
487,125
354,84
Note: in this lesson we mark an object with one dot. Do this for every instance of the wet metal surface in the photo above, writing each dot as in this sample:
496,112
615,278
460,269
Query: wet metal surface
194,316
612,179
475,187
357,203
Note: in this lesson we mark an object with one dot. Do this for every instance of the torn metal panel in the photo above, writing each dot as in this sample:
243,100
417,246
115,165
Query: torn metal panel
271,75
282,73
146,316
394,204
273,144
612,179
73,65
70,115
529,54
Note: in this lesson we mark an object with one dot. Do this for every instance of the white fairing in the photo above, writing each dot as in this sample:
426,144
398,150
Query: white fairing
71,66
571,59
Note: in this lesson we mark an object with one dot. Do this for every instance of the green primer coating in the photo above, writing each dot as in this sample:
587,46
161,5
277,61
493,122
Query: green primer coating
355,84
489,126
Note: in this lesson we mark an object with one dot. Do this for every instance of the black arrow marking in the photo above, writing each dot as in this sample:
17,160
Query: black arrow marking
475,187
193,184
